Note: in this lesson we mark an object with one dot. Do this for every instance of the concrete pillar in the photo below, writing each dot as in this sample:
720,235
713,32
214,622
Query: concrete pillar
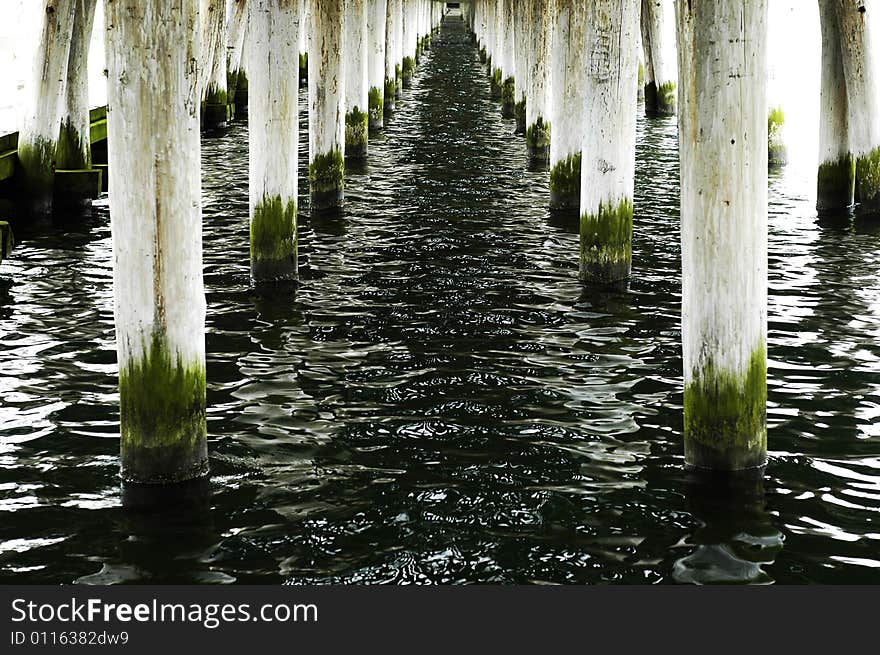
538,21
392,21
237,10
376,15
74,147
212,63
567,103
326,105
860,67
521,62
609,148
356,79
508,62
38,138
837,168
723,135
273,138
154,152
659,71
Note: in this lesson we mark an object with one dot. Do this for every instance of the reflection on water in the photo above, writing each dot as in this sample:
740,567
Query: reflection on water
440,400
736,540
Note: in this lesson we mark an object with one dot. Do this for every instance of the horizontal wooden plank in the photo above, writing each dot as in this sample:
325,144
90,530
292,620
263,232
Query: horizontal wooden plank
8,160
98,131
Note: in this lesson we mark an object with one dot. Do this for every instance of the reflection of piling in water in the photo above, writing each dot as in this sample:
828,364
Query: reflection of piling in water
163,531
736,537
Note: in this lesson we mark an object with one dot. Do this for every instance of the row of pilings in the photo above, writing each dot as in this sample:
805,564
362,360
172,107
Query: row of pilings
566,70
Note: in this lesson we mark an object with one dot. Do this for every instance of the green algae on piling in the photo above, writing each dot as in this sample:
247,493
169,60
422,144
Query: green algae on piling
37,164
496,83
162,417
836,184
409,66
72,152
390,95
565,183
867,189
274,240
357,126
667,98
519,113
508,98
538,137
376,104
606,243
327,180
725,416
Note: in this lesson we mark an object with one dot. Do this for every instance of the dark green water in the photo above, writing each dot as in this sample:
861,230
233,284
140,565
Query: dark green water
441,400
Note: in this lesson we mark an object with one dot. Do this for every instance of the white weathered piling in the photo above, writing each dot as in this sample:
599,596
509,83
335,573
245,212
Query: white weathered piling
213,63
497,47
304,35
399,43
567,102
74,147
156,223
860,66
273,137
237,10
837,169
376,17
609,147
539,23
392,20
723,148
326,105
356,79
38,138
508,61
659,70
410,40
520,63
